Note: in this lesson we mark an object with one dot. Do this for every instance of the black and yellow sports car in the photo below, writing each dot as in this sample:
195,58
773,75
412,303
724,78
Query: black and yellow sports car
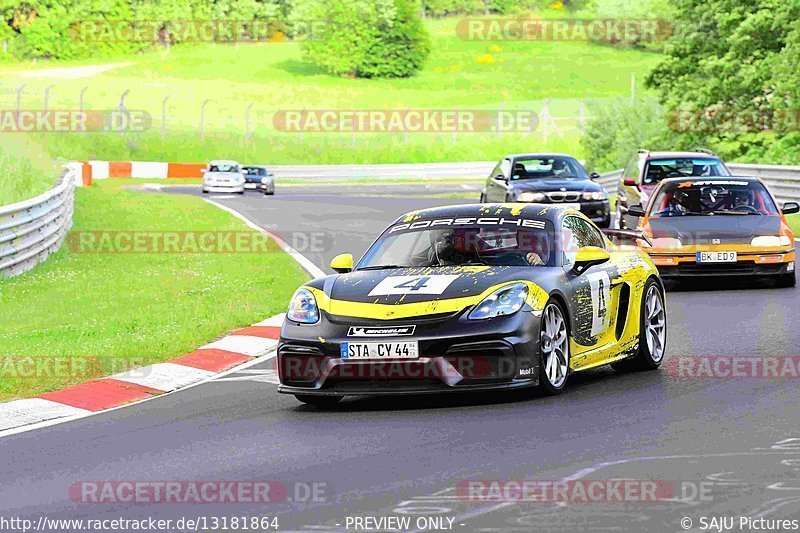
473,297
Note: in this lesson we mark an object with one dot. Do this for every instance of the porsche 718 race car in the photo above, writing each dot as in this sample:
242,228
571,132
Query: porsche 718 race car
473,297
719,226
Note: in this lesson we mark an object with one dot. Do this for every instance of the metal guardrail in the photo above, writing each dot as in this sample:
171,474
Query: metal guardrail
33,229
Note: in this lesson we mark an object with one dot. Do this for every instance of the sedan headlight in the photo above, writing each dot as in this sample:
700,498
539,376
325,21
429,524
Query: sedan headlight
771,240
303,307
531,197
266,181
597,195
505,301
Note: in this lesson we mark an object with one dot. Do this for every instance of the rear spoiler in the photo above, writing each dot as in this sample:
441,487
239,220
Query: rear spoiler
620,234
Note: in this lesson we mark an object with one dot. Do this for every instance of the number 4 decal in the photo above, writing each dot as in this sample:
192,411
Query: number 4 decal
435,284
600,286
414,284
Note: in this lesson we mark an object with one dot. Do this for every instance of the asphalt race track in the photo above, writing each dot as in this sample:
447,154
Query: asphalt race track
731,445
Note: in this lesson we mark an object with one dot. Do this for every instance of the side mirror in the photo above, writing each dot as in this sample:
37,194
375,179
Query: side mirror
342,263
589,256
636,210
790,208
594,176
629,182
499,177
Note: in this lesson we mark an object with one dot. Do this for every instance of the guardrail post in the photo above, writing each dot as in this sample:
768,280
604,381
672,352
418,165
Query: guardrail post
80,100
47,96
164,117
203,119
247,124
19,98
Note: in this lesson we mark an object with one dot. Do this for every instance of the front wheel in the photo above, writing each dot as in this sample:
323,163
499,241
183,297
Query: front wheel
652,328
554,347
320,402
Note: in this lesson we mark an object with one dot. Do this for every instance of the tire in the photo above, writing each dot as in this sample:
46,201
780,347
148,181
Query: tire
652,330
553,380
271,193
320,402
240,192
786,280
205,191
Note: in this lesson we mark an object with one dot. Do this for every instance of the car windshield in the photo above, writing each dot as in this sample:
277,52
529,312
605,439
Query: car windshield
221,167
463,245
712,197
547,167
659,169
254,171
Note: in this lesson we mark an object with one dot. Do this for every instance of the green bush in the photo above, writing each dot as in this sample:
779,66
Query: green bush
363,38
618,128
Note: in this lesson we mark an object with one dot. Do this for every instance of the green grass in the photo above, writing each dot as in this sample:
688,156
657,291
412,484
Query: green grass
794,223
24,170
274,76
132,309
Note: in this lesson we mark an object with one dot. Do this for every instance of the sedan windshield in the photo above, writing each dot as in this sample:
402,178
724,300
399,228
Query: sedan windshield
254,171
223,168
712,197
547,167
472,245
659,169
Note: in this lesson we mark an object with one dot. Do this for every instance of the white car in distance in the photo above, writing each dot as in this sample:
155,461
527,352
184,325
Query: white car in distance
223,176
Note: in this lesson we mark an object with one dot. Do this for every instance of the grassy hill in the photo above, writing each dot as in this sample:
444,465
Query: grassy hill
273,77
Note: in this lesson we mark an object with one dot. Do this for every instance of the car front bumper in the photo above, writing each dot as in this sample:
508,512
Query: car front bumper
223,188
749,263
455,354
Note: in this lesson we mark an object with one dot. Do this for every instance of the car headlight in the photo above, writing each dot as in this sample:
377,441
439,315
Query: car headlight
303,307
265,181
771,240
667,242
505,301
596,195
531,197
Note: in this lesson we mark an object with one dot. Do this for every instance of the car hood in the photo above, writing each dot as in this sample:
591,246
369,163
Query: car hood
555,184
699,230
414,285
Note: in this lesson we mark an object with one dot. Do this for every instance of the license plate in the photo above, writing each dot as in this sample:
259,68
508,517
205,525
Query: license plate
576,207
380,350
716,257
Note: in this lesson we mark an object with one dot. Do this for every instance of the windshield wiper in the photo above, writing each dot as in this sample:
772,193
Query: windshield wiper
380,267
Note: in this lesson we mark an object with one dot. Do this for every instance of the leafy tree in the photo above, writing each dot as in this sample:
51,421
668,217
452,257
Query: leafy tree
732,59
364,38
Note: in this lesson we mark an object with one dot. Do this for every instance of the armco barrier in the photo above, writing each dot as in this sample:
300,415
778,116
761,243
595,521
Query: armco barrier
33,229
